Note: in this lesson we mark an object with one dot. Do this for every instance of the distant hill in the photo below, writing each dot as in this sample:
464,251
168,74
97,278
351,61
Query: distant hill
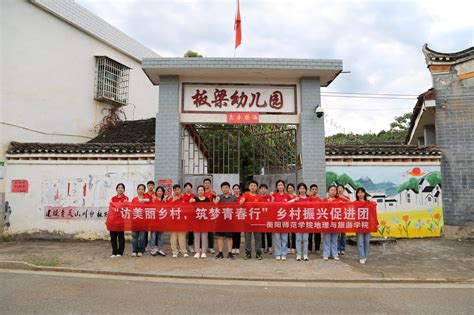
389,188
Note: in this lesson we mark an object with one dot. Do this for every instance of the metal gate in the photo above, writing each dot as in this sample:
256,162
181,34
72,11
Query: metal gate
246,150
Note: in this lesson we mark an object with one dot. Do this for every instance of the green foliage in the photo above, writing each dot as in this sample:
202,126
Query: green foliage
345,179
412,183
396,133
331,177
434,178
342,179
192,54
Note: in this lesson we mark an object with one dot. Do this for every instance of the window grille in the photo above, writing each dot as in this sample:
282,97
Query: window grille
111,81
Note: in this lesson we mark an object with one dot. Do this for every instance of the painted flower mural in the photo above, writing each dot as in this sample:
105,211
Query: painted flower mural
409,200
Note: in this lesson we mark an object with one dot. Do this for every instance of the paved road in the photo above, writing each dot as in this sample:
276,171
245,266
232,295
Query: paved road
23,292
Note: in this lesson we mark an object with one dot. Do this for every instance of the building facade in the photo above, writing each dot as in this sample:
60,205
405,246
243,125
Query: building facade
63,70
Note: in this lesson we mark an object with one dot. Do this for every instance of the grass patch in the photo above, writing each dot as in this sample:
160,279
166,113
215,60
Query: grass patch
39,260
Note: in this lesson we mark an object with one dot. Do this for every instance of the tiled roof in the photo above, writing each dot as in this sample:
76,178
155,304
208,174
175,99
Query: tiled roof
425,96
80,148
86,21
129,131
380,150
433,57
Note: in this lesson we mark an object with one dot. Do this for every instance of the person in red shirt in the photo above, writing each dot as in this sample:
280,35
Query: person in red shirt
281,239
330,239
117,238
302,237
156,237
236,236
138,237
200,238
252,196
210,194
313,190
150,190
187,196
178,238
150,193
266,246
341,240
290,188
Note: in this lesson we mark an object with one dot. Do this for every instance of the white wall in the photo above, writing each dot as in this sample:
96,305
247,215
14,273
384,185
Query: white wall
47,73
61,184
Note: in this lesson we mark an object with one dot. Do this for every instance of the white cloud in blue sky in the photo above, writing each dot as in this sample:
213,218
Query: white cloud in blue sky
379,41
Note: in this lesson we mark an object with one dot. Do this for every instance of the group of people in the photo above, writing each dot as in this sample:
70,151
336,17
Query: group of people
202,243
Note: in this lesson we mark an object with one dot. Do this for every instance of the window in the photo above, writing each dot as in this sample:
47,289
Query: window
429,198
111,81
379,200
408,198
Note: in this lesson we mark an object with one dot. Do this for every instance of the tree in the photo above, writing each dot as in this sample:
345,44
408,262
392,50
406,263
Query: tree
412,184
434,178
192,54
396,133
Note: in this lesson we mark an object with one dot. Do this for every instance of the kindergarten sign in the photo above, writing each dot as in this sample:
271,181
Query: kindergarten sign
311,217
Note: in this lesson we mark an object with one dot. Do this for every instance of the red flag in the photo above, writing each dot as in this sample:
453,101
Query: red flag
237,27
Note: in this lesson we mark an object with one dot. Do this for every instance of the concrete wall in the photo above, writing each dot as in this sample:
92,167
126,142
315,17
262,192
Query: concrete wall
455,137
69,185
47,90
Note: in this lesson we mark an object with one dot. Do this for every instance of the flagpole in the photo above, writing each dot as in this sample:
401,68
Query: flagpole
235,33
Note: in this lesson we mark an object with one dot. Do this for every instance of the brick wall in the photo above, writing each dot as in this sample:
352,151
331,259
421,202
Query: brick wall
455,137
168,131
310,136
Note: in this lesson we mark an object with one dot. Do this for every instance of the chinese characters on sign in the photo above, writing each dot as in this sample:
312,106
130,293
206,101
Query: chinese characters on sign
242,118
235,98
251,217
19,186
75,213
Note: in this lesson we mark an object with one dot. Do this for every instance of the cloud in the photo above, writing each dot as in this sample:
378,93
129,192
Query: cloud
379,42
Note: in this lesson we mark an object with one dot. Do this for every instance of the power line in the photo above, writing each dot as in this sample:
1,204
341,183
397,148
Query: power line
363,93
369,97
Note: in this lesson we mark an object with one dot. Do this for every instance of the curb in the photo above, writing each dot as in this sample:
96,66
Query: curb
21,265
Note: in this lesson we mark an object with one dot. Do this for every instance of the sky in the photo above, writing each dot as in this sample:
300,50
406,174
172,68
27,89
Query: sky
379,43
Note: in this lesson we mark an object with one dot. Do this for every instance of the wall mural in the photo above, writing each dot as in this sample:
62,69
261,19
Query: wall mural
408,198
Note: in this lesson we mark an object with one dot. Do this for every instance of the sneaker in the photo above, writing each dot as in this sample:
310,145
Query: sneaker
248,256
139,254
113,256
237,251
161,253
270,250
153,252
175,255
283,258
298,257
134,254
203,255
305,258
342,253
233,251
362,261
220,255
197,256
191,249
292,250
185,255
325,258
230,256
259,257
118,255
278,258
212,251
336,258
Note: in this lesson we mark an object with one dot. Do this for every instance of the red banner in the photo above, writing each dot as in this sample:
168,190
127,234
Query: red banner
298,217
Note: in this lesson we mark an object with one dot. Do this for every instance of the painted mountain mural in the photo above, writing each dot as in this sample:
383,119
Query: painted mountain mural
409,198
